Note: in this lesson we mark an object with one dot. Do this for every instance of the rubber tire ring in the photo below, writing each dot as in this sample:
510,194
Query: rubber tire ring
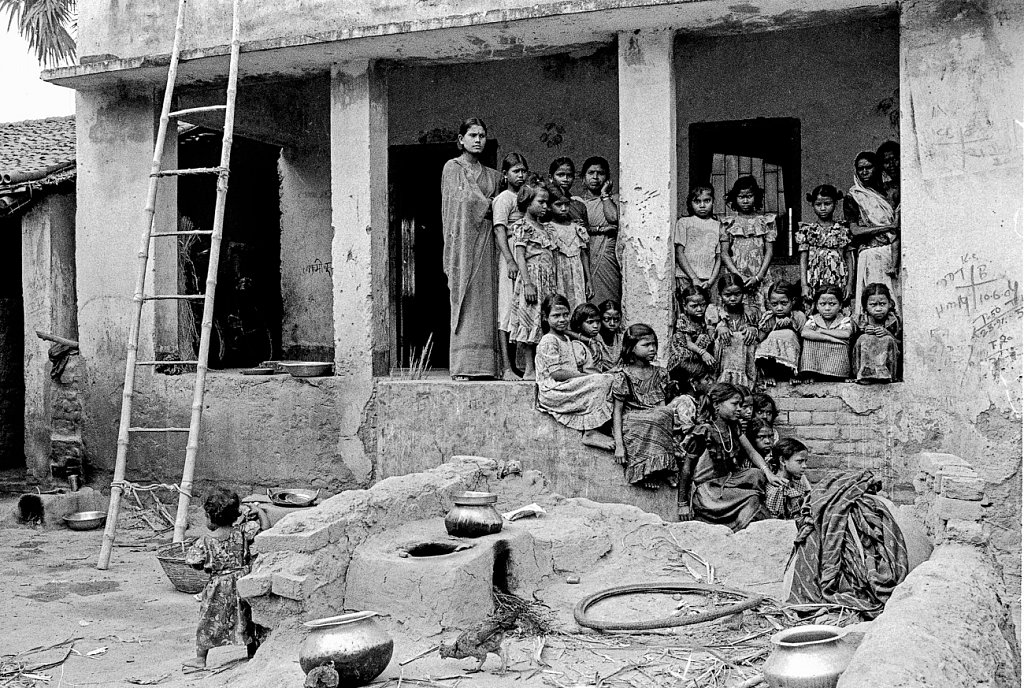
749,601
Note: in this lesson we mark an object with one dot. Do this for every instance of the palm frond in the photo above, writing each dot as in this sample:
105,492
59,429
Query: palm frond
44,24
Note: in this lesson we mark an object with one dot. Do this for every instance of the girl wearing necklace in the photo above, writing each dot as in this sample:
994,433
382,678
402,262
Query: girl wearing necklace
727,475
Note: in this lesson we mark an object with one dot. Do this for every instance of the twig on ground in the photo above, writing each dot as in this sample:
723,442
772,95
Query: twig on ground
419,656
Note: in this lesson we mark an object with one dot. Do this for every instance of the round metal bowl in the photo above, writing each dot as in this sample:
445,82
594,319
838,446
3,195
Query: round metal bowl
293,498
311,369
474,498
85,520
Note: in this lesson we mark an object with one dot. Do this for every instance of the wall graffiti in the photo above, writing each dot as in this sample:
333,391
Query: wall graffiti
318,266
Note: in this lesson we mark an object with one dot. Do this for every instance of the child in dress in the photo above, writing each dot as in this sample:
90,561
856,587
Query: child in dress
572,255
568,387
766,410
690,340
747,239
826,338
505,212
584,328
562,173
608,343
825,246
785,501
876,350
696,238
537,280
642,422
778,354
224,617
736,334
763,437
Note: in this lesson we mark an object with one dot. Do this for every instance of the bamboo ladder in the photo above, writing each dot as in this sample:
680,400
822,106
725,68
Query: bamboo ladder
141,299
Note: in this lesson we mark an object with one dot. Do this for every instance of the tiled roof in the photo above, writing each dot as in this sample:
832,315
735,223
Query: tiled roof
37,144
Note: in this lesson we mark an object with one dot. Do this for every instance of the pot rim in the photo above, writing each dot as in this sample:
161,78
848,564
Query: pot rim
471,498
339,620
835,633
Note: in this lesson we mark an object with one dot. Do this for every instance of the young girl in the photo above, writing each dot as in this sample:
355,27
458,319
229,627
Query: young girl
641,420
572,257
785,500
765,408
876,351
747,239
608,343
585,328
691,340
825,246
778,354
696,238
736,334
762,437
603,225
536,260
567,387
826,337
563,173
505,212
727,489
224,617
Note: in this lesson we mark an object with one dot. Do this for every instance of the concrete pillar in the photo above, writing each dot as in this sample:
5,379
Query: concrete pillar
362,313
647,163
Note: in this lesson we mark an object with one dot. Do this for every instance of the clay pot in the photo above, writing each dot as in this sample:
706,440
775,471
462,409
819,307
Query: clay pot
473,515
359,648
808,657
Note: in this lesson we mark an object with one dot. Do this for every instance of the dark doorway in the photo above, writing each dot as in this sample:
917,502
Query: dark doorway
767,148
419,285
12,349
247,314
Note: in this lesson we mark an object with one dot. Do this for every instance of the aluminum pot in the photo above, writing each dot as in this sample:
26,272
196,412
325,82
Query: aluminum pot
356,644
473,515
808,657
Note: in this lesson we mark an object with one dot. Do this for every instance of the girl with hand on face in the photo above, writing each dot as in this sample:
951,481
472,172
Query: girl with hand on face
642,421
696,238
572,254
536,261
505,212
747,239
826,338
603,224
736,334
778,354
876,351
568,387
825,246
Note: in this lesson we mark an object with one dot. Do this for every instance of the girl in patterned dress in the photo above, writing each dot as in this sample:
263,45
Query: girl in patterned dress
747,240
562,173
736,334
608,343
690,340
778,354
826,338
537,280
504,212
825,246
224,617
585,328
642,421
568,386
572,254
876,350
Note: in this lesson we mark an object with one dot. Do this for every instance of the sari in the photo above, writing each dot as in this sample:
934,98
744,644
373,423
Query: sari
605,272
875,261
470,264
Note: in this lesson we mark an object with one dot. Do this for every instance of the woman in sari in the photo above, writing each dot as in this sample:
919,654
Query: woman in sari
603,218
470,262
874,224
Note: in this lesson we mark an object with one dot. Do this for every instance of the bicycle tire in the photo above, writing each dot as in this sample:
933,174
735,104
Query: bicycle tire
749,601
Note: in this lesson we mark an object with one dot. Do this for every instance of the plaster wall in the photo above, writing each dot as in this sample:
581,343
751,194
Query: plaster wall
541,107
831,77
48,295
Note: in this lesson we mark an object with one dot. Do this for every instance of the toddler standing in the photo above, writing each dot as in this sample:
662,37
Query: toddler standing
572,255
535,258
747,239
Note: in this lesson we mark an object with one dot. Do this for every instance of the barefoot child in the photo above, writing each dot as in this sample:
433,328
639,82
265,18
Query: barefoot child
584,328
747,240
642,422
778,354
224,617
736,334
567,388
690,340
696,238
785,500
609,339
876,351
505,213
826,338
536,261
572,255
825,246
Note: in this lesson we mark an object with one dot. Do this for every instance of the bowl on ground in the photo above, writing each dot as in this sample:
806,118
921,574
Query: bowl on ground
308,369
85,520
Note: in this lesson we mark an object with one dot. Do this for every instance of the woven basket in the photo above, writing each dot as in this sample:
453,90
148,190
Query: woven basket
183,577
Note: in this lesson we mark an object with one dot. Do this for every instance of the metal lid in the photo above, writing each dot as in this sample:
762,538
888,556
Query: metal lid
475,498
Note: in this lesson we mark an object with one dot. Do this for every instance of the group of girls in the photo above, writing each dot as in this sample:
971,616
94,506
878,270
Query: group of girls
756,331
551,242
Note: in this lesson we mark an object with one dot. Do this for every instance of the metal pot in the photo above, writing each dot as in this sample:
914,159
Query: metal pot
808,657
85,520
356,645
473,515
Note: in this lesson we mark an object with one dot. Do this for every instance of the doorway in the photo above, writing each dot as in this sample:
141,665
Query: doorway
419,287
12,349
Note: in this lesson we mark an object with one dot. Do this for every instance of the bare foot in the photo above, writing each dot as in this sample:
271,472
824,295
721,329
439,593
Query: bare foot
595,439
509,376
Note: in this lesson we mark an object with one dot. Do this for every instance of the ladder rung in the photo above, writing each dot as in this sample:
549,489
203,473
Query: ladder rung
158,429
189,170
173,297
156,363
189,111
189,233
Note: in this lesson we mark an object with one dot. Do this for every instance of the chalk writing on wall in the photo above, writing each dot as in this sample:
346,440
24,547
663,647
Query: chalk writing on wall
318,266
